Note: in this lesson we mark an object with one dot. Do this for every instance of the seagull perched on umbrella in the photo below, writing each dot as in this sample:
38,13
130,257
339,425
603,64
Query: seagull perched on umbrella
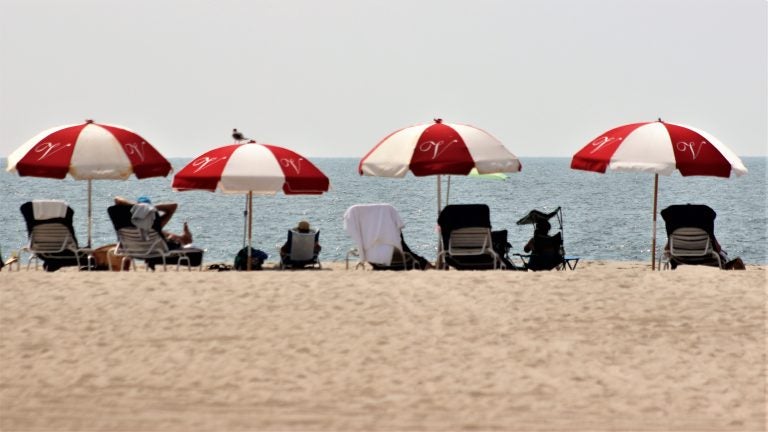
238,136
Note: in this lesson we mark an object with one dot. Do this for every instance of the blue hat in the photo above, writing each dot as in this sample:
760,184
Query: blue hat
144,199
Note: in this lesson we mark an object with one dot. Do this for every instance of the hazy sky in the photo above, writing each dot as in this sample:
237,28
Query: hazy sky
331,78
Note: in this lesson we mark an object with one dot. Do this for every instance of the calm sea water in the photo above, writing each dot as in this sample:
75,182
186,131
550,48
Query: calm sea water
606,216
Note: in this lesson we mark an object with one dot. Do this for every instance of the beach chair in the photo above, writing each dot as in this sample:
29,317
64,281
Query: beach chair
376,230
51,237
134,243
690,236
301,250
466,242
548,250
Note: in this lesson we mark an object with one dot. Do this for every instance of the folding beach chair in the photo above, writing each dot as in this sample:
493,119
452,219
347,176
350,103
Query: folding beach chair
466,242
301,250
147,244
548,251
51,236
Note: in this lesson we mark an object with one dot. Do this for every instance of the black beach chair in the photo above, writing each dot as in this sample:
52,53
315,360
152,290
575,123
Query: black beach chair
150,245
51,236
690,236
466,239
548,250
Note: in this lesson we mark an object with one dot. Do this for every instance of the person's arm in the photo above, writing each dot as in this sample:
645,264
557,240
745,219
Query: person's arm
528,246
715,244
165,211
123,201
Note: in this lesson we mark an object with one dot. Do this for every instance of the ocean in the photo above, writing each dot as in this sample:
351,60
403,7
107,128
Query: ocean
606,216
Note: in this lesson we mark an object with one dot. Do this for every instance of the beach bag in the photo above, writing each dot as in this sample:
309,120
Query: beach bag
735,264
105,260
257,259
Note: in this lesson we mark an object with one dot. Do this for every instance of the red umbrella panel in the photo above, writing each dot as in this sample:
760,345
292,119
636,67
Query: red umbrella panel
252,168
659,148
88,151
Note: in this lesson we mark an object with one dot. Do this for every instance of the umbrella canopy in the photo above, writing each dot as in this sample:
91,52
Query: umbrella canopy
438,148
252,168
659,148
261,169
88,151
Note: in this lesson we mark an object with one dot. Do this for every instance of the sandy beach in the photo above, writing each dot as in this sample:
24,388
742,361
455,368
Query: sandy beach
610,346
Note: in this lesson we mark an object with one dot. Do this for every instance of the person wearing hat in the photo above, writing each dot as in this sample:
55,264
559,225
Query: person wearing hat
302,227
164,211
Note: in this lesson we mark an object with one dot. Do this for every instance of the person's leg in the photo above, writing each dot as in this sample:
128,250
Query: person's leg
183,239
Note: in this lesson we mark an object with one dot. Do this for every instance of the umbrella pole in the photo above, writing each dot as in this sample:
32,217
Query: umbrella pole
90,214
245,222
250,226
448,192
438,262
653,239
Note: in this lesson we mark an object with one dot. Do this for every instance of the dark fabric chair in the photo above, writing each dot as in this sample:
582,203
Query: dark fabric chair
300,250
547,253
152,246
466,241
53,240
690,236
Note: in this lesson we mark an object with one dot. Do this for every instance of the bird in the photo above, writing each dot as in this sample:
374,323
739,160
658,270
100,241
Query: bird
238,136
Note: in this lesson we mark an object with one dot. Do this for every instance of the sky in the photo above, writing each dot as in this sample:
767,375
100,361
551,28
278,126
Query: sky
332,78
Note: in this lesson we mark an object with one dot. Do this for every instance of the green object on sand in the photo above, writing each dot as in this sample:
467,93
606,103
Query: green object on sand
491,176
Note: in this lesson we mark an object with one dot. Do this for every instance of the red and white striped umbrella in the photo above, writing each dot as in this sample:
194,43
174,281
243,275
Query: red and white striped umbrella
88,151
261,169
252,168
660,148
438,148
435,149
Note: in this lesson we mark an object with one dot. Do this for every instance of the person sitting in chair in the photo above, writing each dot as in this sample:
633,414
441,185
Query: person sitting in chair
544,249
164,212
302,227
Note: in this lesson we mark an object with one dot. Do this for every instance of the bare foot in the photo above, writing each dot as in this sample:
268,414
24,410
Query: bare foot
186,238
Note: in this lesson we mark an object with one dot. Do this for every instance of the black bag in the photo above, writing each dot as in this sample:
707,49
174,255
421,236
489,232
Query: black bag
257,259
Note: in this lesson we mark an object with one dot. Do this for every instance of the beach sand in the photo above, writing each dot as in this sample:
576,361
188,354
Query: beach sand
610,346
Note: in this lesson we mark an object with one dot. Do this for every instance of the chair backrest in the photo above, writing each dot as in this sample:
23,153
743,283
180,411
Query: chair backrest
52,234
303,245
376,230
689,215
456,216
133,241
51,238
548,245
469,241
690,242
